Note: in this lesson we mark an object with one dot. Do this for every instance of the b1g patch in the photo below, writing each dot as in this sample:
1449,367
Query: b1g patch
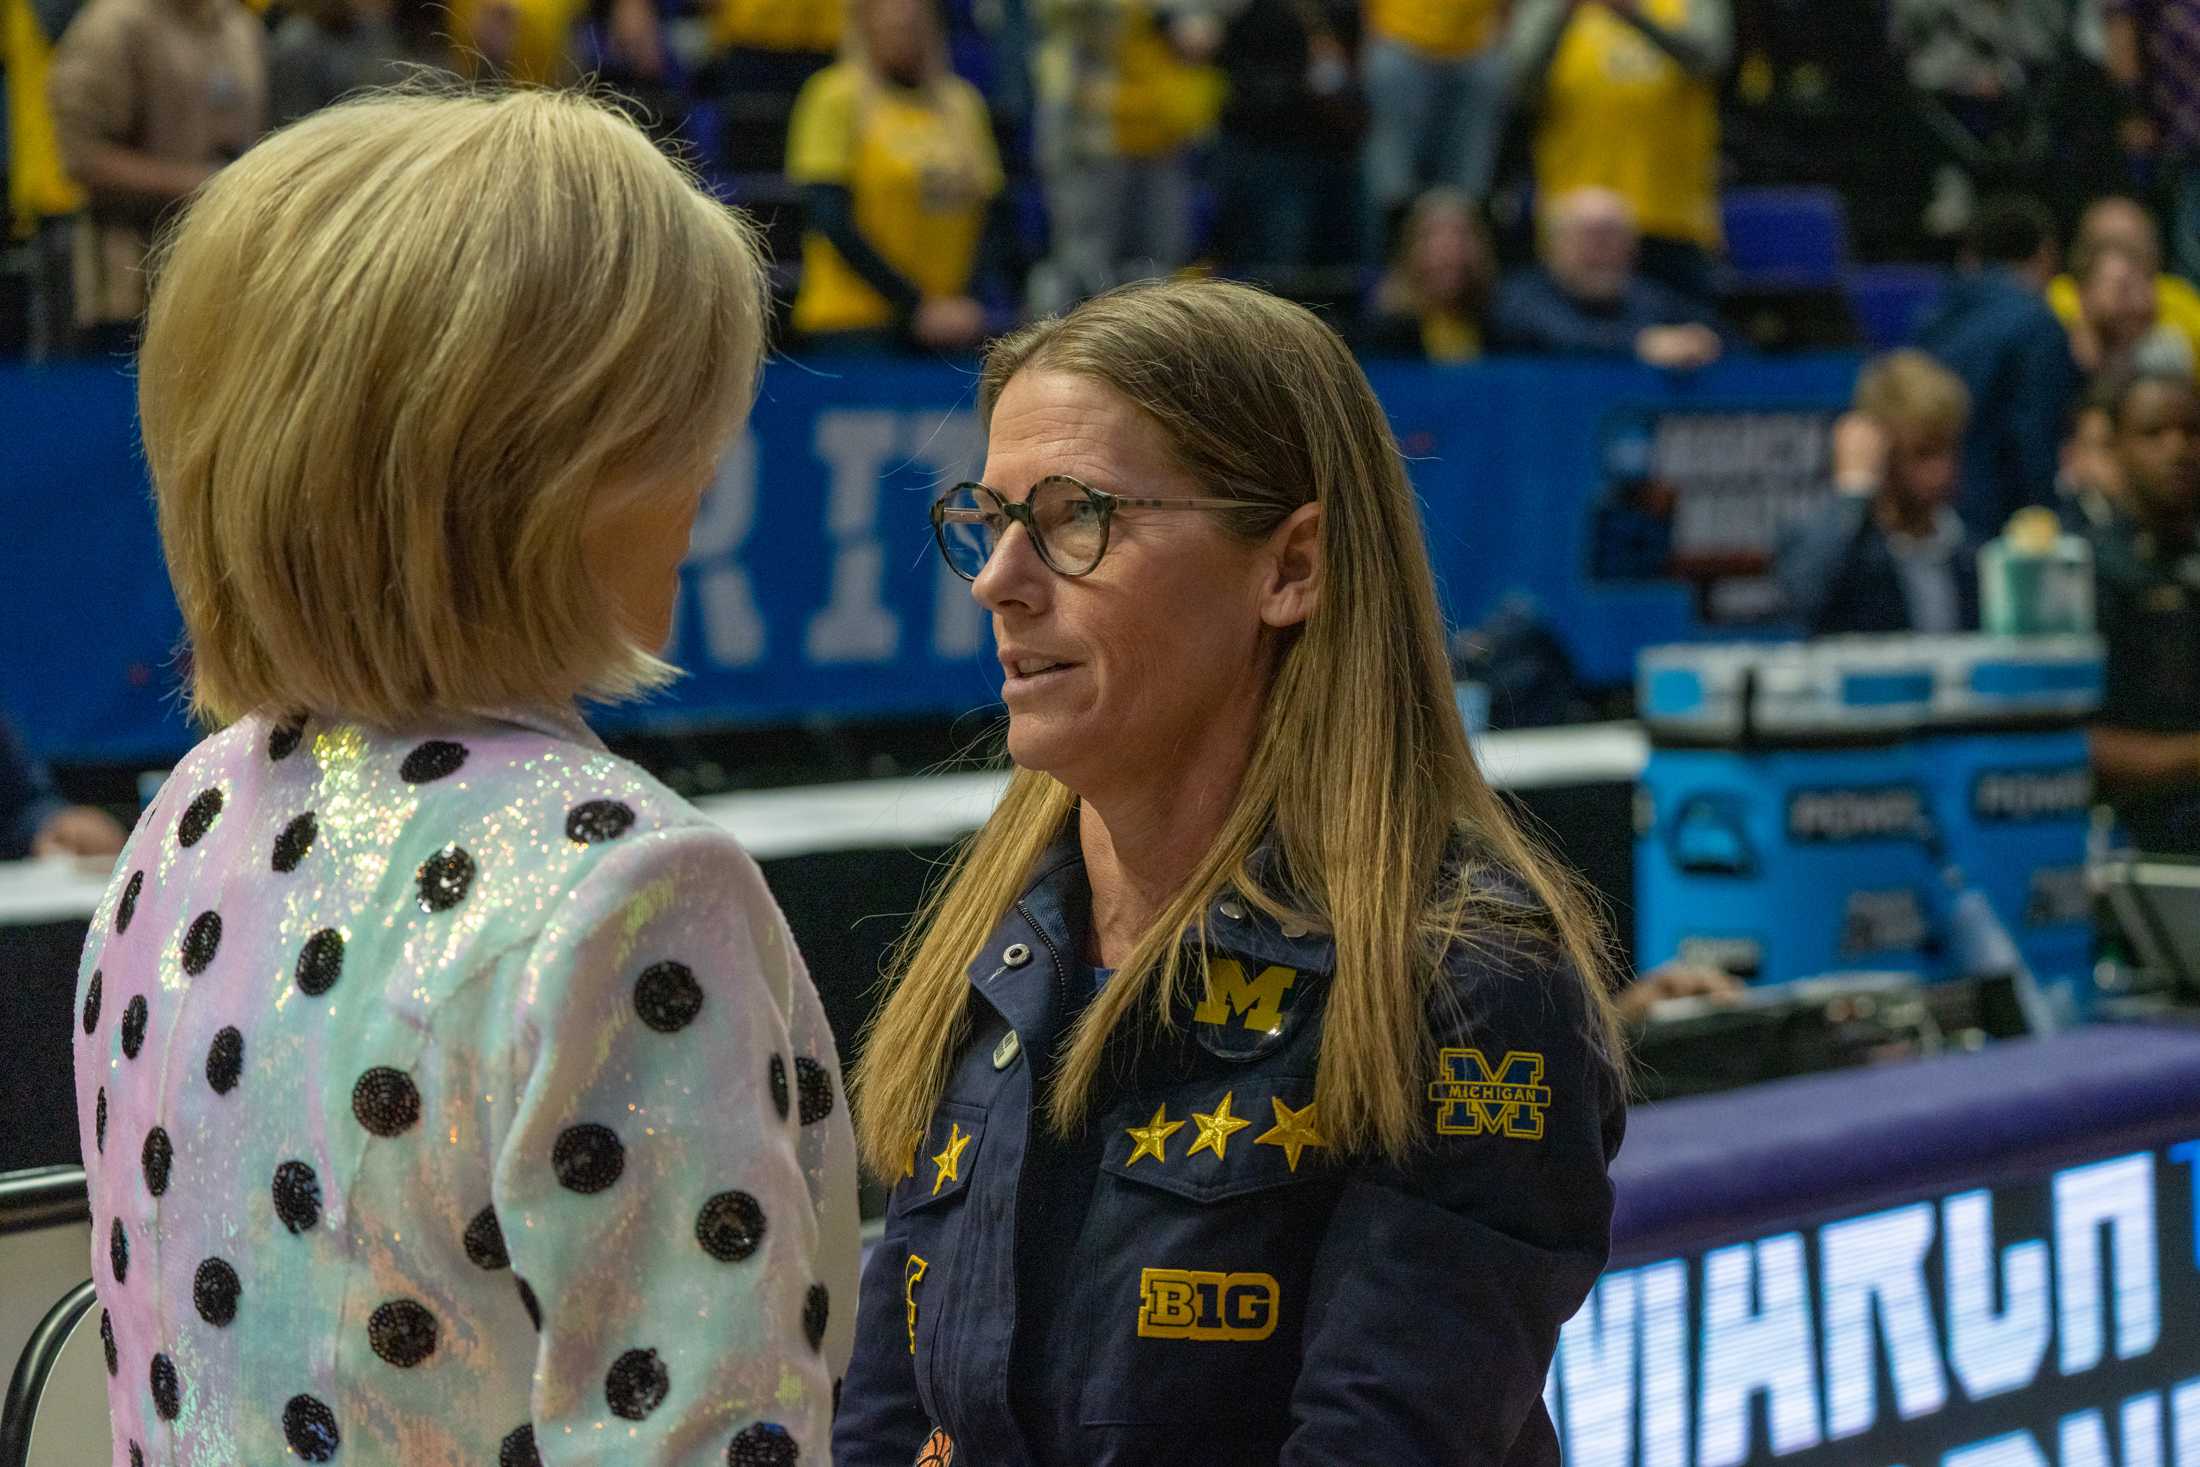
1476,1098
1192,1304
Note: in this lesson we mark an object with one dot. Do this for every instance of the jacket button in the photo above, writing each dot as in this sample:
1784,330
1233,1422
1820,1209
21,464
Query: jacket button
1233,910
1294,929
1017,955
1004,1053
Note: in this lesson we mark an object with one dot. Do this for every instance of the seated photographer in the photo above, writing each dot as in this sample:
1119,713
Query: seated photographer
1888,553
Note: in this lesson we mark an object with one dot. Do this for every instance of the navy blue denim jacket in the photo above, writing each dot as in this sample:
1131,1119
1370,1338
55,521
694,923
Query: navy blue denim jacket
1199,1277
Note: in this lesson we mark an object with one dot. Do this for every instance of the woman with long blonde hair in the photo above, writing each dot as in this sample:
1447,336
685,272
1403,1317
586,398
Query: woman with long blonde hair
1248,1085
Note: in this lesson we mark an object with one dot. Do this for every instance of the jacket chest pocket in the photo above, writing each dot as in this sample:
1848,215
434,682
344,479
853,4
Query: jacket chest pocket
1194,1263
931,1200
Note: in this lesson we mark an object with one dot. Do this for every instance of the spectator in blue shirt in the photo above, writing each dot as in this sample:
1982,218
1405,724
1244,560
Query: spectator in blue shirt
36,821
1994,329
1887,553
1587,298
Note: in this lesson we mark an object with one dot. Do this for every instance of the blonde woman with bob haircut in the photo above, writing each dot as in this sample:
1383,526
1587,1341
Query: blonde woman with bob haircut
451,1091
1249,1084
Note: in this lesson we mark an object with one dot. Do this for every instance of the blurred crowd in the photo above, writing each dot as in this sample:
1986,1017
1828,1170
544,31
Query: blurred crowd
1446,177
2008,188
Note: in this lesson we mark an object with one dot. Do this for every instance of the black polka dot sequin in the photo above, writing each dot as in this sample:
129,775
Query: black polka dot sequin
201,941
730,1227
518,1448
636,1384
133,1027
485,1241
779,1086
433,760
295,841
817,1312
766,1444
214,1291
127,907
91,1000
118,1251
320,962
107,1343
598,820
816,1084
156,1158
666,996
198,818
297,1192
529,1302
282,740
444,878
310,1428
588,1158
386,1101
167,1393
225,1060
99,1123
402,1332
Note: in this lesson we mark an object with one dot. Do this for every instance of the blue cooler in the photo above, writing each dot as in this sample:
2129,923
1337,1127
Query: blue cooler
1782,813
1786,864
1801,802
2012,791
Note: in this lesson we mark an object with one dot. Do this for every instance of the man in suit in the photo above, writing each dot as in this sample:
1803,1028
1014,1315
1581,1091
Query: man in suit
1889,553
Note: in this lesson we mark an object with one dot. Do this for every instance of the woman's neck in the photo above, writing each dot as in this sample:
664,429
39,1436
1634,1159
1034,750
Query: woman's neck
1140,849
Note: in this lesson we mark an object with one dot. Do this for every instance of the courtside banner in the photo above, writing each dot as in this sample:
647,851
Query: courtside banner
1632,506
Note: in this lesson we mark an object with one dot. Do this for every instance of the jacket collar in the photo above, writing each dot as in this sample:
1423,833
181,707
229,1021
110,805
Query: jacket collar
560,721
1027,967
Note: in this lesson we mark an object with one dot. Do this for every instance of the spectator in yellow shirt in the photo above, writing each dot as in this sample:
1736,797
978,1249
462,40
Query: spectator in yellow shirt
895,159
1625,93
42,198
1435,77
1432,304
2123,223
762,52
1123,93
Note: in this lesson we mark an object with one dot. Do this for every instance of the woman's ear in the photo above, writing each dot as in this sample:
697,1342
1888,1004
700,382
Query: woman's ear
1293,565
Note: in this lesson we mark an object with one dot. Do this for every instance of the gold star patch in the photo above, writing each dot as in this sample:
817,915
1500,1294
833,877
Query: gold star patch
1153,1137
1294,1131
950,1158
1216,1130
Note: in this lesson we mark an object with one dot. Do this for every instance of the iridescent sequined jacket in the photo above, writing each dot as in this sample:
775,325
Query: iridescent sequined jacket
456,1098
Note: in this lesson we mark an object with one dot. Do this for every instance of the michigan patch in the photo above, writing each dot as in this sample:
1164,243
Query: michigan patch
1476,1098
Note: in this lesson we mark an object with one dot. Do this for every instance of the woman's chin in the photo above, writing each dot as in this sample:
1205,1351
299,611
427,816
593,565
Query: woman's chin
1038,744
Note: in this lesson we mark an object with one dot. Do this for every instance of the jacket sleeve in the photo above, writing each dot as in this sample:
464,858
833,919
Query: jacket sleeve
650,1186
1440,1287
1813,559
28,798
882,1421
90,85
2044,388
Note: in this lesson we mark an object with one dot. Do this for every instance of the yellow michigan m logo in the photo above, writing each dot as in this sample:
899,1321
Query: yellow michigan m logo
1473,1099
1229,991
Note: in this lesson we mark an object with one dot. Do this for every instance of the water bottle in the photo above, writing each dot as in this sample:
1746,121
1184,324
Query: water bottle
2036,580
